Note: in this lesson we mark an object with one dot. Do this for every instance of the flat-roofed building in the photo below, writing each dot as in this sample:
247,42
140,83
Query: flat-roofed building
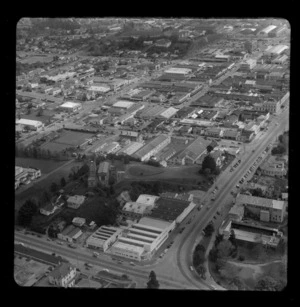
70,106
168,113
136,210
248,64
177,70
78,221
153,147
236,212
30,124
131,135
172,209
99,89
274,167
103,238
276,208
141,240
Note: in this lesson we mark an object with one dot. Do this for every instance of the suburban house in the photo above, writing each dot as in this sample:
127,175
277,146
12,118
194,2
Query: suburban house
63,275
78,221
48,209
75,201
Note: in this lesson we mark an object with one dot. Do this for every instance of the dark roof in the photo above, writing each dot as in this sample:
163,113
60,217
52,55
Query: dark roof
169,209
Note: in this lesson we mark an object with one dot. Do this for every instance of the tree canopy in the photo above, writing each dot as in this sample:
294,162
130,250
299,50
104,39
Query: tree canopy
152,283
209,163
26,212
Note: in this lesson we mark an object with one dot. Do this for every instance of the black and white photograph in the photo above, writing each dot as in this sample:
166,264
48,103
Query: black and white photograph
152,153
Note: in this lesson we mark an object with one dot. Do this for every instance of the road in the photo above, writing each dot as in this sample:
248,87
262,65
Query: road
103,262
179,257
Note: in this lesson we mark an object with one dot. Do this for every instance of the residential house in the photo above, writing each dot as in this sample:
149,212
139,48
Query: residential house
231,134
70,234
75,201
48,209
63,275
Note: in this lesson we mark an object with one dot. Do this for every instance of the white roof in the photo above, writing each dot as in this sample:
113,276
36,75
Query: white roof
70,104
99,88
29,122
260,201
175,70
135,207
147,199
123,104
269,29
129,247
169,112
76,199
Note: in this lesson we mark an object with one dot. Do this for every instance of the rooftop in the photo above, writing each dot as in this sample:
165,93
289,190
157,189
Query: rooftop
62,270
123,104
70,104
260,201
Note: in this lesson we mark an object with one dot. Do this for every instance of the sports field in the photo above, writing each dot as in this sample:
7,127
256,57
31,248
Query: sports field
67,139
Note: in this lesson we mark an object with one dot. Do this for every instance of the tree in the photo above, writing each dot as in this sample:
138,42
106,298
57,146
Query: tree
219,238
209,229
46,197
210,163
201,270
267,284
62,182
54,187
225,248
152,283
232,238
209,148
40,112
26,212
213,254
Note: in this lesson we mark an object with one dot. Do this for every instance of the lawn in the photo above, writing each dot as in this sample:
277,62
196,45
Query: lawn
144,170
73,138
53,146
46,166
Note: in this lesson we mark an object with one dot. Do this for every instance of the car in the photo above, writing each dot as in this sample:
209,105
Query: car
191,268
131,263
237,186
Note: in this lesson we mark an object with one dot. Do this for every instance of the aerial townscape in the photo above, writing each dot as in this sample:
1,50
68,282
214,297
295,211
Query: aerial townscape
152,153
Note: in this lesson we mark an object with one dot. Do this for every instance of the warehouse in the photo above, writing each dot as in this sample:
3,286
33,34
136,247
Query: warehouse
180,71
268,29
103,237
70,234
70,106
130,148
151,111
30,124
153,147
276,50
168,113
142,239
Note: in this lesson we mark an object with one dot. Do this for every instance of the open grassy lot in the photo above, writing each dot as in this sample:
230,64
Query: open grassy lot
53,146
73,138
46,166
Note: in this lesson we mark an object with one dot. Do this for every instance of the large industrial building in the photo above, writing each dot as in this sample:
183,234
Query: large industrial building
143,239
266,209
153,147
30,124
130,148
276,50
103,238
268,29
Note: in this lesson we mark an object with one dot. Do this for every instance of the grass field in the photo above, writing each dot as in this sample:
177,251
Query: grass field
46,166
52,146
73,138
43,118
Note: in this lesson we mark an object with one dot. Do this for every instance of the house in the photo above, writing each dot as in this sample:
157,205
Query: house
231,134
123,197
48,209
78,221
75,201
218,157
246,136
214,132
63,275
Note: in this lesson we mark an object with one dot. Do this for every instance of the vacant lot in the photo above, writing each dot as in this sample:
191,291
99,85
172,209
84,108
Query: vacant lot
46,166
44,118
